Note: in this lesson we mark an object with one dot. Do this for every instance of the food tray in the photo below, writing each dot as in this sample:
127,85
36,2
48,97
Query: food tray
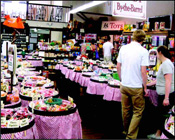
56,101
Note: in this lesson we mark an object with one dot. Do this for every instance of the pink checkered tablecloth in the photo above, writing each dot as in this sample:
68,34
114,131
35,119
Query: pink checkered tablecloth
78,63
96,88
95,67
153,96
112,94
59,127
31,133
63,70
36,62
57,67
84,81
77,76
24,103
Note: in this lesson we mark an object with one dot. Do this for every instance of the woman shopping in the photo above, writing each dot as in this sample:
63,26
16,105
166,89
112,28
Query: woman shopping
164,88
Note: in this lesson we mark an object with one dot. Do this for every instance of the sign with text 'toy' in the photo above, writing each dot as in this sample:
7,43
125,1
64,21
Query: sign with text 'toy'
112,25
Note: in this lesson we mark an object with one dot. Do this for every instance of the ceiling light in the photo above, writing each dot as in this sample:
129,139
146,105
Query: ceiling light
86,6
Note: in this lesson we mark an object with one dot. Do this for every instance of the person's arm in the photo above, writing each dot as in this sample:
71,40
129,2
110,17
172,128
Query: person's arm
152,83
119,69
144,78
168,79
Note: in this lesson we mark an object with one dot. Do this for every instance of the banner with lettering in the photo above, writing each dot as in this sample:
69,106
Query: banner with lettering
112,25
130,9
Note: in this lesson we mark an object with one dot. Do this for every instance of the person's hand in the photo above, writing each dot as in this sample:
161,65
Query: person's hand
166,102
146,93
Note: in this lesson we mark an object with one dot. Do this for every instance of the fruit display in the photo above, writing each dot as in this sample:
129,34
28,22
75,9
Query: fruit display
3,94
52,105
25,64
16,114
78,68
5,74
37,81
4,87
114,82
35,78
100,78
12,98
170,125
39,92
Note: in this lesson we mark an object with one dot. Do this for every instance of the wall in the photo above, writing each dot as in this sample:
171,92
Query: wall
56,35
46,24
41,2
154,8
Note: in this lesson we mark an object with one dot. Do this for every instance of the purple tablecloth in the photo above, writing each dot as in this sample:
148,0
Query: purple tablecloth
31,133
59,127
36,62
96,88
112,94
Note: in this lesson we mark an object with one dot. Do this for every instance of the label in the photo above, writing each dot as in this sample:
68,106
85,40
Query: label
3,120
24,122
35,97
13,124
2,105
150,72
10,62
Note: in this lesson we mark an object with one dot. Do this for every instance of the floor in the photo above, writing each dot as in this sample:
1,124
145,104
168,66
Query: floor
102,119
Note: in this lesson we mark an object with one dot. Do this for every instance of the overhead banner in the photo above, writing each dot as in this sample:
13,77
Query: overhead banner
130,9
112,25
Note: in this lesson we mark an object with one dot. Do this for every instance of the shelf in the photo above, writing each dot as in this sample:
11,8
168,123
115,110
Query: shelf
150,33
55,51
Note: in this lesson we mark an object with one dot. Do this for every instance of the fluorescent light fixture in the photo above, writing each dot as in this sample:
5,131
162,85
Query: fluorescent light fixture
86,6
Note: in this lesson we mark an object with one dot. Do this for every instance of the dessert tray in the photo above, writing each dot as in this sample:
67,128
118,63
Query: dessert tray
16,120
52,107
39,92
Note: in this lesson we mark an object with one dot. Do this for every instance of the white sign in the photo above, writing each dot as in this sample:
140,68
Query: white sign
112,25
24,122
3,120
10,62
13,124
2,105
130,9
34,97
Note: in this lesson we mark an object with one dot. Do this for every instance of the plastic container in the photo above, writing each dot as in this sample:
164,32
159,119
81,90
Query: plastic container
116,76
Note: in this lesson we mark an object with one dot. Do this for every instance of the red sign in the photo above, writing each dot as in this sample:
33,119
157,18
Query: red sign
112,25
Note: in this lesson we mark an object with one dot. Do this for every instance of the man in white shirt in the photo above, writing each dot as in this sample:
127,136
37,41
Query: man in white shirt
131,67
107,49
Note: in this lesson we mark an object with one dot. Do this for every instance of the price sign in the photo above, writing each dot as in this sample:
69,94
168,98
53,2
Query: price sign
35,97
150,72
2,105
13,124
3,120
24,122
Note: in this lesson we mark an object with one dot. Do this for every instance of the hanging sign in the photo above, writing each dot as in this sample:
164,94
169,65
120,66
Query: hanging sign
11,58
112,25
130,9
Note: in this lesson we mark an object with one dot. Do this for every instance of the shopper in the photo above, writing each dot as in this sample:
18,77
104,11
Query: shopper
164,87
107,49
131,67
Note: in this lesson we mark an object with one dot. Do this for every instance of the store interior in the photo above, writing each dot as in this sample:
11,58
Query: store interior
55,82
